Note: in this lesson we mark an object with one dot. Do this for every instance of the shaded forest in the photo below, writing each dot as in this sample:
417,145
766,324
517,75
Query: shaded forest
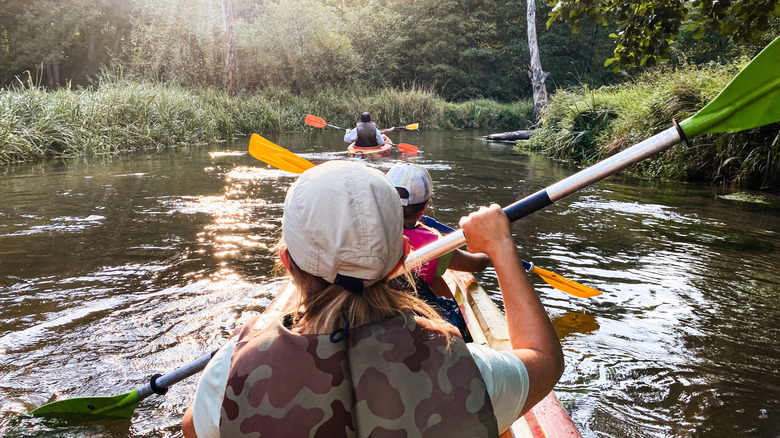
459,49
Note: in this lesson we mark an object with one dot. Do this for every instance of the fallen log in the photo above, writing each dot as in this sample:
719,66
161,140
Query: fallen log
510,136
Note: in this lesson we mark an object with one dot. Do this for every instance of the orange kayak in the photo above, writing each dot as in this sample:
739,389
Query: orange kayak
372,152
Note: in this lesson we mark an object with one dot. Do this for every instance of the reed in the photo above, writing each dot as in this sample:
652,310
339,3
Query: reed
586,125
118,115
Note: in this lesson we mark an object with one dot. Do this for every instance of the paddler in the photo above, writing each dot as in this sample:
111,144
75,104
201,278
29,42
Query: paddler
356,357
415,188
366,134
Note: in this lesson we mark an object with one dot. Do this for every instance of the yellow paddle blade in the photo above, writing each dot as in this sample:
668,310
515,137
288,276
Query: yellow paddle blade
277,156
412,127
564,284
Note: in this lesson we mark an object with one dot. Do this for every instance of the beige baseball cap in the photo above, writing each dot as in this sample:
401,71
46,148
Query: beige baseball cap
342,219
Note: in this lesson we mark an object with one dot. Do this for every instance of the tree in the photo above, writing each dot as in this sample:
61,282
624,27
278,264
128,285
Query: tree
535,72
645,29
230,46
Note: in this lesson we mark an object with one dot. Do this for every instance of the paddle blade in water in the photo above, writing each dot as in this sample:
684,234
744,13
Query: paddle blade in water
407,148
750,100
565,285
118,406
277,156
317,122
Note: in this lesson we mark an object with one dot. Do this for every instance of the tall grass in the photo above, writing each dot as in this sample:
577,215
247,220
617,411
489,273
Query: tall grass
586,125
118,115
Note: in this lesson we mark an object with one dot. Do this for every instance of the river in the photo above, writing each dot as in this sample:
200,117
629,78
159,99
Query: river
113,268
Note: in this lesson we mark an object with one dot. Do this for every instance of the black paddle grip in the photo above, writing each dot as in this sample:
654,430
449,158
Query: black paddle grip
527,205
153,383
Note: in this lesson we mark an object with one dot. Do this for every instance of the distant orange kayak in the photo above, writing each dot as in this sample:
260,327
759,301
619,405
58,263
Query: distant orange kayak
371,152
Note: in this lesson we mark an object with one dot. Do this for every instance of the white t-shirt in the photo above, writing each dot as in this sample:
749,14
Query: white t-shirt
504,374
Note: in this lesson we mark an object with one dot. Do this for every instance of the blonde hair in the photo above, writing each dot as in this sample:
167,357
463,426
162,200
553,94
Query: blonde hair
321,305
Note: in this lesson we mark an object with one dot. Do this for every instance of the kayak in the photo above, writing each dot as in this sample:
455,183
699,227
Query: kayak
487,325
371,152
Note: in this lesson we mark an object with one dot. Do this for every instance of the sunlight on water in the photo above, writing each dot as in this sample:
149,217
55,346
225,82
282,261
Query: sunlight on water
119,268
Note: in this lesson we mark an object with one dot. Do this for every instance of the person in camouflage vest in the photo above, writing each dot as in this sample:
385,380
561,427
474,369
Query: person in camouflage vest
355,357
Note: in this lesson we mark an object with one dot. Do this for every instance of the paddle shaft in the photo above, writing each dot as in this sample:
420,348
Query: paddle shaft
657,143
176,376
444,229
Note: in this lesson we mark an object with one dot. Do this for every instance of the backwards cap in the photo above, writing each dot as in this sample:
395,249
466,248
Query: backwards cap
342,218
415,179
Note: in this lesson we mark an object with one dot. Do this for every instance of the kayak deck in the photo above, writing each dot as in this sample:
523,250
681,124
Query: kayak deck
487,325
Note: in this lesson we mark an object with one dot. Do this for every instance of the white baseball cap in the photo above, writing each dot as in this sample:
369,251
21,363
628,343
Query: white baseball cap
342,219
415,179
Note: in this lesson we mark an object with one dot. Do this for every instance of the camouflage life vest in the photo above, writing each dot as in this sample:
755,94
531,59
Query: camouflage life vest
366,134
394,378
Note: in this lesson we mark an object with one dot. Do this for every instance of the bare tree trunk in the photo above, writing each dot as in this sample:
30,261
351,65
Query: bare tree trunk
535,72
230,49
90,45
49,74
122,24
52,70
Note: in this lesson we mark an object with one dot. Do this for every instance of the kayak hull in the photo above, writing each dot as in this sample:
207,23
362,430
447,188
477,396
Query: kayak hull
372,152
487,325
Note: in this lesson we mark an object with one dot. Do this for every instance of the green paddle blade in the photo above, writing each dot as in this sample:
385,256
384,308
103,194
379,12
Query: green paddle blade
750,100
118,406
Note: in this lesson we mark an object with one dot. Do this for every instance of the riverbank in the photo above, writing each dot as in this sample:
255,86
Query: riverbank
586,125
117,115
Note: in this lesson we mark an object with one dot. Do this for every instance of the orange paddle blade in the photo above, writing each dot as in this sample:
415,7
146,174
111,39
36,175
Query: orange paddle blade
407,148
317,122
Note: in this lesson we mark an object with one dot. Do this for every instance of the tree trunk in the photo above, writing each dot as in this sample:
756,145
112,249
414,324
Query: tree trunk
90,45
535,72
230,49
52,74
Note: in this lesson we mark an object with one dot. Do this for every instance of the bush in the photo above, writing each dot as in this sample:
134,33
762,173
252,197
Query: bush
586,125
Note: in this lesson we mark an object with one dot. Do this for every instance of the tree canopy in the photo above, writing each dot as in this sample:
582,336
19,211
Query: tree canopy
461,49
645,30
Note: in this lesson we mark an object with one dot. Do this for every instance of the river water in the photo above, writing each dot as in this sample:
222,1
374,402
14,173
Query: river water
113,268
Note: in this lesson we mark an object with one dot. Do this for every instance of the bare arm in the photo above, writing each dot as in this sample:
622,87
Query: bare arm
468,262
533,338
186,424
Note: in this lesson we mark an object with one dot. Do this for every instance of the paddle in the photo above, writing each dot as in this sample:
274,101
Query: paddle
276,156
123,405
319,122
405,148
750,100
557,281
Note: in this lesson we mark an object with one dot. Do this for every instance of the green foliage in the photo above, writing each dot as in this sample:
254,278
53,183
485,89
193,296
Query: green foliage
645,30
118,115
587,125
461,49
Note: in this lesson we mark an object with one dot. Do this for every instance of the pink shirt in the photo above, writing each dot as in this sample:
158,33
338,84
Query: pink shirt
419,237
